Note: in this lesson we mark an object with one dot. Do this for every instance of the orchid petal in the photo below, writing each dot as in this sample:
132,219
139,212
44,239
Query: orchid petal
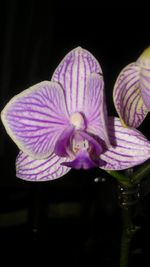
95,108
129,147
144,62
31,169
82,161
127,97
145,87
35,118
72,74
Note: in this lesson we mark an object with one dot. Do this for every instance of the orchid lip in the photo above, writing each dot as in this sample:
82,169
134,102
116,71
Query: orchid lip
82,149
82,161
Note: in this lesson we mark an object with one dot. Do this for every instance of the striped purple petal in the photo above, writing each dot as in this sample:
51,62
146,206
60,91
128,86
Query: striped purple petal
129,147
35,118
127,97
31,169
72,74
145,87
95,108
144,62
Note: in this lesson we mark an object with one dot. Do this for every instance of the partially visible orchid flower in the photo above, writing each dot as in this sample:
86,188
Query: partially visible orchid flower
63,124
132,91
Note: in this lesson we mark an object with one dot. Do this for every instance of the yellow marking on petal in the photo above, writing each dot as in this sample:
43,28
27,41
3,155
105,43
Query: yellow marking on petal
144,58
145,72
140,104
146,53
146,84
122,122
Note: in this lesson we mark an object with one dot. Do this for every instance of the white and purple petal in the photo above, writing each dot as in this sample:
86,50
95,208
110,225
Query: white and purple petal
144,63
129,147
127,96
35,118
31,169
72,73
95,108
145,87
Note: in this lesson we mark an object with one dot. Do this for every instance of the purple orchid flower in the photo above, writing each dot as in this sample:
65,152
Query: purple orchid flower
132,91
63,124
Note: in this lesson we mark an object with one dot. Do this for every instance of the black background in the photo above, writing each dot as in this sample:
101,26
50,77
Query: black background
86,228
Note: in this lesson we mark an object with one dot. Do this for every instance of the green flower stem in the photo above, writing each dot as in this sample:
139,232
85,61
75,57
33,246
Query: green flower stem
141,173
129,230
128,197
128,180
122,179
131,179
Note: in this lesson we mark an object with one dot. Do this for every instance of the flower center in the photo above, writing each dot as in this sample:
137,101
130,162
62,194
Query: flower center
84,151
80,145
77,120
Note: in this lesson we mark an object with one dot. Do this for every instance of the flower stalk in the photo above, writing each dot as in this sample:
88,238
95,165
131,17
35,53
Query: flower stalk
128,196
128,199
129,229
141,173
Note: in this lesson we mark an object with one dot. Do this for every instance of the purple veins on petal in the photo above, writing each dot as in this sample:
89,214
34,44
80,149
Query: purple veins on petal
95,108
72,74
145,87
129,147
127,96
31,169
35,118
144,63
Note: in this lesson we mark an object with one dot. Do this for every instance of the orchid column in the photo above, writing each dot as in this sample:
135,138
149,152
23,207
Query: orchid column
63,124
